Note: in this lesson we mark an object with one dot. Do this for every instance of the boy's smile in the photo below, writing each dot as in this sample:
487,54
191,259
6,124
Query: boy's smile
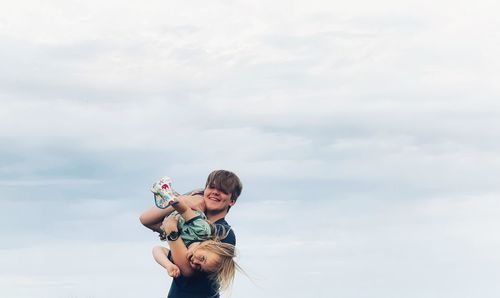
217,200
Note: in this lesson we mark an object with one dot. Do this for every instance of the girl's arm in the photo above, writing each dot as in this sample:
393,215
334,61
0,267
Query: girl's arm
160,254
153,217
178,248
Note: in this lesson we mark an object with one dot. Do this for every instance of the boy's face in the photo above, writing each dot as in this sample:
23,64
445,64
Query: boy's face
217,200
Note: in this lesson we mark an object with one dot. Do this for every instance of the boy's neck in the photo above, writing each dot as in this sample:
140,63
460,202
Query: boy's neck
213,217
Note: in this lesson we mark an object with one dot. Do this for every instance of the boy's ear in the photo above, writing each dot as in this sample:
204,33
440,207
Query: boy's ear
232,202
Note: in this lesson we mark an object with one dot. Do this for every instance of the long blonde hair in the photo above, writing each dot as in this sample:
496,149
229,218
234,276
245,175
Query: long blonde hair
226,267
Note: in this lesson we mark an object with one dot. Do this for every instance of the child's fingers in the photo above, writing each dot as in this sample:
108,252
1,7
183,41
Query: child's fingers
175,272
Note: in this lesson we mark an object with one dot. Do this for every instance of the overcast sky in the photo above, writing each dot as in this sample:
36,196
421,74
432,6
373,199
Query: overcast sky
366,134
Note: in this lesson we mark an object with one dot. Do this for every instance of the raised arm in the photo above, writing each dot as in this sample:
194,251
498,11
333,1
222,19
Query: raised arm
153,217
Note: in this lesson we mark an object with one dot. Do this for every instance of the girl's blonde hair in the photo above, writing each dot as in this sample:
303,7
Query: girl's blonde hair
227,266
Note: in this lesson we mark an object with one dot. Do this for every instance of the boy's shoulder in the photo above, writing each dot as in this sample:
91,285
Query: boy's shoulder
223,228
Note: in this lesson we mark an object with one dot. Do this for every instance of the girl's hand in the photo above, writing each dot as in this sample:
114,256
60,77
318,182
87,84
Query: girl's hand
169,224
173,270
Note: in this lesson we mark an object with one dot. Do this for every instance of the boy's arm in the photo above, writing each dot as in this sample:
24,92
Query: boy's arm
153,217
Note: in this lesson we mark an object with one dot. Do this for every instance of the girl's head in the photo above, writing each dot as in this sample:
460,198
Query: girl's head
215,258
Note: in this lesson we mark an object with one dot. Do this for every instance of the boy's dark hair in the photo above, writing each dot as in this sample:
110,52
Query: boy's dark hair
225,181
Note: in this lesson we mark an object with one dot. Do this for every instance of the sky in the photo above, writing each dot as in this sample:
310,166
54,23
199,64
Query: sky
366,134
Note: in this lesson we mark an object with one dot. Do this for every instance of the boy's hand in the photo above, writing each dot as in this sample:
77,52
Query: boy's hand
169,224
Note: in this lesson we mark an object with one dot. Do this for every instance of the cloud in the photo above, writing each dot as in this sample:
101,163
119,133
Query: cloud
25,183
364,133
386,247
67,268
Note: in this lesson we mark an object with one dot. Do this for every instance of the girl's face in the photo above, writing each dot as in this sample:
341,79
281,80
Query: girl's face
216,200
202,259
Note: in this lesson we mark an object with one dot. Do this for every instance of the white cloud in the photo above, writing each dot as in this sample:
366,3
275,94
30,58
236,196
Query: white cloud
55,182
381,117
389,248
339,241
